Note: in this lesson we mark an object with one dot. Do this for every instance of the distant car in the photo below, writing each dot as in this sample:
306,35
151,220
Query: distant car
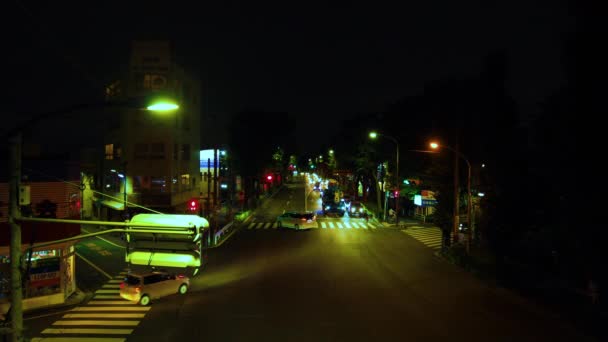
142,288
357,210
334,208
297,220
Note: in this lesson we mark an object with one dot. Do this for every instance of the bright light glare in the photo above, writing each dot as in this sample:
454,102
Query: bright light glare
120,175
373,135
434,145
162,106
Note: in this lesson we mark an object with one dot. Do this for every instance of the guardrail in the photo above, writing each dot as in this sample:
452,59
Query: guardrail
226,229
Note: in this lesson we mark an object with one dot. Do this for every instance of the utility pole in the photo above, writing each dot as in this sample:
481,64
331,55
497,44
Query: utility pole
456,197
124,192
16,308
398,185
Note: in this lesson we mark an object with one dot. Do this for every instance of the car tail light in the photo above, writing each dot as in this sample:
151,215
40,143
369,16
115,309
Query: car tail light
122,285
180,276
303,219
137,289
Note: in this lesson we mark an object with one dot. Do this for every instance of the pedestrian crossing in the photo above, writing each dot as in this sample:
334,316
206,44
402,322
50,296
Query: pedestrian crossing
322,225
430,236
105,318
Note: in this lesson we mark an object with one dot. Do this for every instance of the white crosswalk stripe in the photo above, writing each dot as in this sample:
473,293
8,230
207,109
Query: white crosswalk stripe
339,225
106,315
430,236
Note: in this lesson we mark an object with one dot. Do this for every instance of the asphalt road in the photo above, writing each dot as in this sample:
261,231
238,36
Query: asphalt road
337,285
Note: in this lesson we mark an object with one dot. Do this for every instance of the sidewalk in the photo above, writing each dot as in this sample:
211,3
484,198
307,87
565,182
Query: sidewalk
77,298
405,222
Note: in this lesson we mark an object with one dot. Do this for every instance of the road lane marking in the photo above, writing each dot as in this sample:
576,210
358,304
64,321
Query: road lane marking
323,225
339,225
104,302
88,331
119,277
331,225
107,291
122,273
107,296
94,266
251,225
99,237
111,286
97,322
114,281
268,225
275,225
105,315
112,308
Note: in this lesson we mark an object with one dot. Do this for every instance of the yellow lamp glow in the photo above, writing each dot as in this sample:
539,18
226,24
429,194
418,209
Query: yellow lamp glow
162,107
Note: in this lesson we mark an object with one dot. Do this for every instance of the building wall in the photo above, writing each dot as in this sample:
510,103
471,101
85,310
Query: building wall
160,150
66,196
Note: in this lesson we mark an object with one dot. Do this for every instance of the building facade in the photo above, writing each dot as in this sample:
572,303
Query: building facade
49,278
151,159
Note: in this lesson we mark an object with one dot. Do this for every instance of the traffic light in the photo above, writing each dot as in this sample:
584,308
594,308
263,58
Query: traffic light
269,178
193,205
396,194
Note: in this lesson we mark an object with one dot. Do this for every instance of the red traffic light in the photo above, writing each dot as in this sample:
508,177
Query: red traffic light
396,193
193,204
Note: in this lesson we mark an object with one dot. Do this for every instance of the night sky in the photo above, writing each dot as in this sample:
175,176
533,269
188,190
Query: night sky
318,63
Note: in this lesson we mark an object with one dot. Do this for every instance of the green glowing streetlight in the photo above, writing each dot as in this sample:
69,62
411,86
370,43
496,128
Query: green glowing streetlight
162,106
373,135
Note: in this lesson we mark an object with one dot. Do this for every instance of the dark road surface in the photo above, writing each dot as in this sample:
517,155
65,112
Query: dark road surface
338,285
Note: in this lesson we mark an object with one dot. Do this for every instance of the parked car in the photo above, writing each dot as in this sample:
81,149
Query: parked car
297,220
142,288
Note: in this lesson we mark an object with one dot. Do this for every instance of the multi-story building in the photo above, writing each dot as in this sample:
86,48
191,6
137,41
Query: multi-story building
151,159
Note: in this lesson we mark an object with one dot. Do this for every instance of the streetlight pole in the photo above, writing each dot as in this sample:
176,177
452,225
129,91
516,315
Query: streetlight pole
469,198
124,190
373,135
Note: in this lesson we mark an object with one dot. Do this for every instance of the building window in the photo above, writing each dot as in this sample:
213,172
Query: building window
158,184
109,151
185,179
113,90
150,59
154,81
157,151
141,151
185,152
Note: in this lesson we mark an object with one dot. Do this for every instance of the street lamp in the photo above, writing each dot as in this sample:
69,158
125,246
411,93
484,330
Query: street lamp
14,216
374,135
435,145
